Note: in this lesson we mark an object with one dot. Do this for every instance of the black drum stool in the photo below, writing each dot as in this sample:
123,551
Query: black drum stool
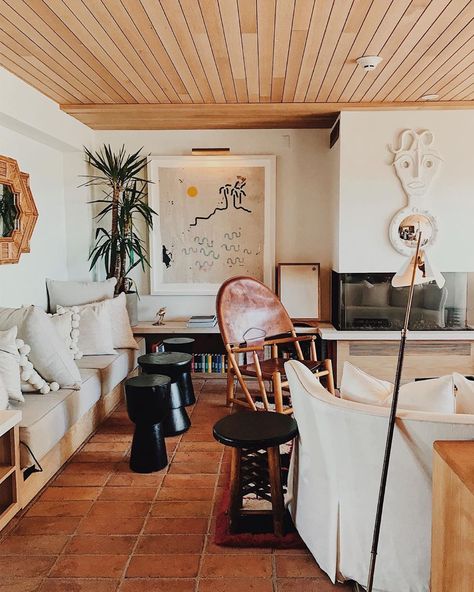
179,344
255,438
177,366
148,398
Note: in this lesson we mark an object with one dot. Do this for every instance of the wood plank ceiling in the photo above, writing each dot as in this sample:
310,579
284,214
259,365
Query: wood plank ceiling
163,64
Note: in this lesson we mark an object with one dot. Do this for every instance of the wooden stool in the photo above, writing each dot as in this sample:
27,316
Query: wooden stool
255,465
148,398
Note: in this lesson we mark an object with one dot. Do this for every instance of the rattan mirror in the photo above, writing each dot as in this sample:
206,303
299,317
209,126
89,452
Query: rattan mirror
18,213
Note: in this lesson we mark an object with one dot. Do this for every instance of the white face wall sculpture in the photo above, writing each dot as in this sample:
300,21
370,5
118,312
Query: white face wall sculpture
416,165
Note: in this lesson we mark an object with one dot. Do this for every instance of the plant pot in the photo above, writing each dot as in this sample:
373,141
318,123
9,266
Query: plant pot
132,307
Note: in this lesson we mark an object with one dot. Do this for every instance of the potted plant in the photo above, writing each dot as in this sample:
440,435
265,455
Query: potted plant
120,246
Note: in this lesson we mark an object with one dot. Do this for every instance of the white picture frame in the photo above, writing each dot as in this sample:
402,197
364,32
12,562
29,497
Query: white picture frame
268,162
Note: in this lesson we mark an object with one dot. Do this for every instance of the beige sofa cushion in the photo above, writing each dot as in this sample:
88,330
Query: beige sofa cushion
46,418
113,369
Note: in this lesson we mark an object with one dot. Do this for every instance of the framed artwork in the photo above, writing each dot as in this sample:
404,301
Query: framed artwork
299,290
216,219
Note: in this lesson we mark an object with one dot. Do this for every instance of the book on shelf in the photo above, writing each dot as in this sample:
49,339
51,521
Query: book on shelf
207,363
202,321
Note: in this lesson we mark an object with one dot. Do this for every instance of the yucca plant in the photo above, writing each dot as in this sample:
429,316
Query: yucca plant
120,248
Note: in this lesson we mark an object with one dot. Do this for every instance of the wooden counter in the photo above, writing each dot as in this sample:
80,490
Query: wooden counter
452,547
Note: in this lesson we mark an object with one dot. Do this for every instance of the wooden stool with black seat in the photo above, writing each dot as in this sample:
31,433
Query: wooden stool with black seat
179,344
255,439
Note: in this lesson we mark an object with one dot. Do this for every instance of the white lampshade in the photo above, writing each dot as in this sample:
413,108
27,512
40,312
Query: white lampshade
403,277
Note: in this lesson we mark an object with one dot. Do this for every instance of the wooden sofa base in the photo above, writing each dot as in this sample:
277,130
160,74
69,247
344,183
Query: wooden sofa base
70,442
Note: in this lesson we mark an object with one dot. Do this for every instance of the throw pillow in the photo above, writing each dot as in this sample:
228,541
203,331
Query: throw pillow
67,326
464,394
435,395
31,381
72,293
10,364
49,355
121,330
3,395
357,385
95,329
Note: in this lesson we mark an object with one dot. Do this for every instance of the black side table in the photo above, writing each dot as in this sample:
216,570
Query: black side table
177,366
179,344
255,438
148,399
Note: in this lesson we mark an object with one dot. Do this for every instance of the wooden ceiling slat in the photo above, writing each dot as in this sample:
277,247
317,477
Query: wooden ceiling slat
179,25
299,34
402,49
248,29
397,21
466,94
212,19
376,18
350,32
155,79
164,31
315,33
445,75
448,30
281,46
14,25
457,84
231,23
89,32
432,75
197,28
50,25
20,67
120,45
266,33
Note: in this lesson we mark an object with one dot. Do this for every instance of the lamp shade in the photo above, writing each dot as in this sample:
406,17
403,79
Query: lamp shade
423,275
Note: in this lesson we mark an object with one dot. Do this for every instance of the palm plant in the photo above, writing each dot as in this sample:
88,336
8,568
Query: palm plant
120,248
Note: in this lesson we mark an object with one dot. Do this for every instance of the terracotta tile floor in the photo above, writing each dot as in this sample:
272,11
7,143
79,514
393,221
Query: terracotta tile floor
98,527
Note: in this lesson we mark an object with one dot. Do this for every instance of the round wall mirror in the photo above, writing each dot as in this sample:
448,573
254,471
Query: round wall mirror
9,212
410,228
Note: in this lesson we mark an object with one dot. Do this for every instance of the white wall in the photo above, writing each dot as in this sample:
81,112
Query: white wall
40,137
370,193
303,218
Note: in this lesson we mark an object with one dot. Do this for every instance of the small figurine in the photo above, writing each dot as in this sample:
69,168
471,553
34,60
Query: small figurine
160,315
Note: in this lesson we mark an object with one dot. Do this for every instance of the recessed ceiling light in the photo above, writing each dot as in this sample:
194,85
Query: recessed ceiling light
430,97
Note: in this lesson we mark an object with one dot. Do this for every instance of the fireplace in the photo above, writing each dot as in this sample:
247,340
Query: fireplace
368,302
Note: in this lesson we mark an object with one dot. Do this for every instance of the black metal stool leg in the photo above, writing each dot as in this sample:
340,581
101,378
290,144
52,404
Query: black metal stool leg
278,506
148,449
235,489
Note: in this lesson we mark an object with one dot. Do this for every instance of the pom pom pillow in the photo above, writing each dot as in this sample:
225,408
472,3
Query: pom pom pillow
95,328
49,354
76,293
10,364
67,327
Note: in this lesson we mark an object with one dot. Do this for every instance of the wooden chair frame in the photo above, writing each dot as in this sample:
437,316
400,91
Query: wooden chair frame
276,379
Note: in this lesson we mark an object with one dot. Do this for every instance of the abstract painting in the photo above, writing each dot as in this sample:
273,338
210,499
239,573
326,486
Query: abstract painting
216,220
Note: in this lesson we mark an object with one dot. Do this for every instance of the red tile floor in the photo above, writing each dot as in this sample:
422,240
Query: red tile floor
98,527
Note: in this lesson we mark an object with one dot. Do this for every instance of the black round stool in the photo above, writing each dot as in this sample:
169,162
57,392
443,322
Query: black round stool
255,438
179,344
176,365
148,398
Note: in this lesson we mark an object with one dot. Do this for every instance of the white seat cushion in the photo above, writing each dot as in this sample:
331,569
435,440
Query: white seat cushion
113,369
47,418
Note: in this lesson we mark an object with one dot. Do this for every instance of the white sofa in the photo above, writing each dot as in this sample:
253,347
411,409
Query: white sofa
334,482
55,425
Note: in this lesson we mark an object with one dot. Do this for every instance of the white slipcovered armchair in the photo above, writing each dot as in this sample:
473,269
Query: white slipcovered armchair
334,482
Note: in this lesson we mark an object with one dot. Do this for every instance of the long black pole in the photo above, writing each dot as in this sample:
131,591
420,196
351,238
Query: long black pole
391,427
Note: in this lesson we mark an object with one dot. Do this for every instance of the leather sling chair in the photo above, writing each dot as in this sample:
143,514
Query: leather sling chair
251,317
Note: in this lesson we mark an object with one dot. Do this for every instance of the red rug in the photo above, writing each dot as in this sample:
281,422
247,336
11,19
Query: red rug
258,531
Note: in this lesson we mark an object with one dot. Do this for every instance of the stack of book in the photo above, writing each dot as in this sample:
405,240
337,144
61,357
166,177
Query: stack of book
209,363
202,321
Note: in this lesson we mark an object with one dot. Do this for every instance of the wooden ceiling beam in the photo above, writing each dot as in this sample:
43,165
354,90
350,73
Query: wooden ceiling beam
232,116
